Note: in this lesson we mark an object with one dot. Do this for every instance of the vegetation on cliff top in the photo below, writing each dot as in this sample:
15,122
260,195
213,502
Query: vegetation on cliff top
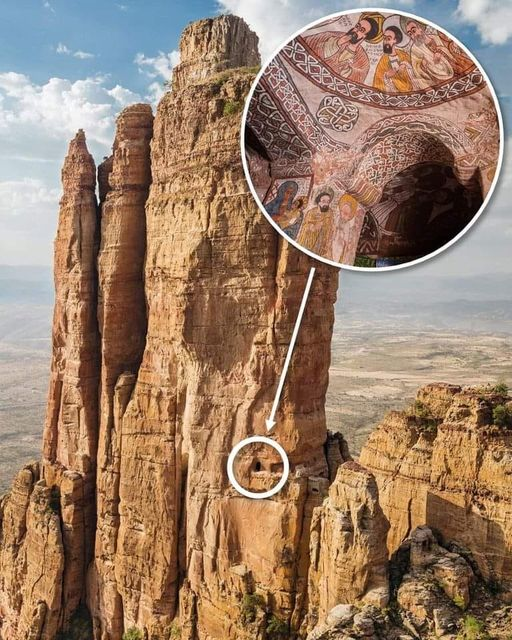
424,420
502,416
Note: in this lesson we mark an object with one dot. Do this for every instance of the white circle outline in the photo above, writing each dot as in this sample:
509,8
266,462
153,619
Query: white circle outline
253,495
470,224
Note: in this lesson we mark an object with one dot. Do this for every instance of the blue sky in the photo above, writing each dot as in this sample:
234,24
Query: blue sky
66,64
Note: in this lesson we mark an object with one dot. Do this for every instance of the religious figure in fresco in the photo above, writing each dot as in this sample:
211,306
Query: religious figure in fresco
282,205
431,60
394,70
317,229
287,212
294,221
348,230
344,52
460,62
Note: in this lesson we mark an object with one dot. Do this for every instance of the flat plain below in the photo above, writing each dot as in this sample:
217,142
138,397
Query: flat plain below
378,359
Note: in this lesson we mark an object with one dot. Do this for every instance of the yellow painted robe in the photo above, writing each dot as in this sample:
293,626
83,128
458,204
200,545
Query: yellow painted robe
401,81
316,232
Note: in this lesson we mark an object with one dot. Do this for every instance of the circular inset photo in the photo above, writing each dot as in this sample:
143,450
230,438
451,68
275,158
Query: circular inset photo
372,140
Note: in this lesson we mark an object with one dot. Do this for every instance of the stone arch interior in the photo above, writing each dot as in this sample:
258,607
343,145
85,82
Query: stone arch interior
424,201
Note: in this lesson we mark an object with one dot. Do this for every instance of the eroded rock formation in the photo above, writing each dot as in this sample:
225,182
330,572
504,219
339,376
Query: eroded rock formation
446,464
348,562
49,516
124,181
175,303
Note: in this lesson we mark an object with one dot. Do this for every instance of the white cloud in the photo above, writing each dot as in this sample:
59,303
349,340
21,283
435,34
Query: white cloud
492,18
28,215
83,55
161,65
276,20
123,96
57,108
36,123
121,7
61,48
64,50
155,92
26,196
48,6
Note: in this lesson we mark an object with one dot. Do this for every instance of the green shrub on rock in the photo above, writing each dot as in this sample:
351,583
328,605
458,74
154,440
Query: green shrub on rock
277,629
473,629
251,603
502,416
133,634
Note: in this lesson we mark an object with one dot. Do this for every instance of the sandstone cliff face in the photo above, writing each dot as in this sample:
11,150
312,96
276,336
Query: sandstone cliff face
71,428
173,317
210,46
348,562
124,181
222,297
48,524
449,467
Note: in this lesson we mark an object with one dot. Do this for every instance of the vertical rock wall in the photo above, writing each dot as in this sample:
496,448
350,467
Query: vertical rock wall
348,558
222,297
449,468
124,181
49,517
170,332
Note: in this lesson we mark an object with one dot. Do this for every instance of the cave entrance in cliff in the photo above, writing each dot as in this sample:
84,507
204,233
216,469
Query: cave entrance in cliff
258,467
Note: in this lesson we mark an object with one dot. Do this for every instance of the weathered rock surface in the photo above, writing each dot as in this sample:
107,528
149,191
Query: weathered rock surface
222,296
210,46
124,185
32,559
171,326
71,428
348,560
48,525
445,464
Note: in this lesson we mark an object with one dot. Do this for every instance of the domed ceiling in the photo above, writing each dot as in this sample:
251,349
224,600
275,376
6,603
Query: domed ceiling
357,124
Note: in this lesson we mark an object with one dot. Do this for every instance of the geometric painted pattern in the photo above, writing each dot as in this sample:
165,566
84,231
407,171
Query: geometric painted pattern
335,113
304,60
280,84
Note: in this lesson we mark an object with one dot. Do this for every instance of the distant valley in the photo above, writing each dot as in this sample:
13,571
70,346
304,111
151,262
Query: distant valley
393,333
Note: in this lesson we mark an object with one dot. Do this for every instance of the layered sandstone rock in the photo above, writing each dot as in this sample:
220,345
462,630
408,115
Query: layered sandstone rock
48,524
124,181
210,46
32,559
71,428
171,328
222,296
348,560
446,465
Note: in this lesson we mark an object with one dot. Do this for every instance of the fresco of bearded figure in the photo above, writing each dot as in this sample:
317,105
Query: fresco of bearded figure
317,229
344,52
348,229
431,61
394,71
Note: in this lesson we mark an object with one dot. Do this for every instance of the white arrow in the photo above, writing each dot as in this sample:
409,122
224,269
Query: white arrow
270,421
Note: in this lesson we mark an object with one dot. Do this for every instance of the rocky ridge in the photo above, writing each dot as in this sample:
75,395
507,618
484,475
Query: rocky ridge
175,302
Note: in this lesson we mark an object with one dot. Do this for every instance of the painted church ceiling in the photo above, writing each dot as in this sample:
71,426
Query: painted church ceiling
338,87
